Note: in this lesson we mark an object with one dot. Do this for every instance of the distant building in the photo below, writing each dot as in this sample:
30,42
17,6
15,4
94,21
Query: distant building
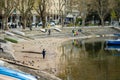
55,10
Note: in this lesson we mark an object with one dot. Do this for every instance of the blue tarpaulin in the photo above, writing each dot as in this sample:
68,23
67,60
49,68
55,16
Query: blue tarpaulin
16,74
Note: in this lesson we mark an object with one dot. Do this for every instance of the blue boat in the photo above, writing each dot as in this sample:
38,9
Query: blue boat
17,75
113,42
113,47
117,34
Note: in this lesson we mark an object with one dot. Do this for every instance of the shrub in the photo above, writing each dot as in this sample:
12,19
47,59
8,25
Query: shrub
11,40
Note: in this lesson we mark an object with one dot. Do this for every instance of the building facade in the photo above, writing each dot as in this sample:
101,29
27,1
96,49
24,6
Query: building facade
55,10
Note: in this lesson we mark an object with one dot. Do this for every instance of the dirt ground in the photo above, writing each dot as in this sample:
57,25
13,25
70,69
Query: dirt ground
29,52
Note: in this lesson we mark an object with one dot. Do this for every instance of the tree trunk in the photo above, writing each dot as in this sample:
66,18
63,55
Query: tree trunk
83,22
62,19
24,23
102,22
5,23
43,14
43,21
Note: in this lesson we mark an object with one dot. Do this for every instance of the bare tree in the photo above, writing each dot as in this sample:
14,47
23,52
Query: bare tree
48,7
24,7
102,7
1,14
84,6
41,10
1,6
69,5
60,8
7,7
117,8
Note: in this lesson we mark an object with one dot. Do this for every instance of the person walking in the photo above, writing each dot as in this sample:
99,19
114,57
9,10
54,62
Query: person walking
73,32
1,48
49,32
43,53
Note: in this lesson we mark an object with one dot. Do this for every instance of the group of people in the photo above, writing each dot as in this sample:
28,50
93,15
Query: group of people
74,32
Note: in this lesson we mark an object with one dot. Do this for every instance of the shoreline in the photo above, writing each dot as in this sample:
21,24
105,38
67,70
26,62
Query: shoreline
29,52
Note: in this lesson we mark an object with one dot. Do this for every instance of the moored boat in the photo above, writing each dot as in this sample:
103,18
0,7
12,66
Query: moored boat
117,34
113,47
113,42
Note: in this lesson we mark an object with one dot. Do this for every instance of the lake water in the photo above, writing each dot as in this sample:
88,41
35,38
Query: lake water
89,59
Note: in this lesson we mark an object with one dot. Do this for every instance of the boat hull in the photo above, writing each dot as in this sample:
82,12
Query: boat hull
113,42
113,47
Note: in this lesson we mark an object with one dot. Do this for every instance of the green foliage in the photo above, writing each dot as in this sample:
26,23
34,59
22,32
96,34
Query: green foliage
11,40
70,25
79,21
113,15
91,25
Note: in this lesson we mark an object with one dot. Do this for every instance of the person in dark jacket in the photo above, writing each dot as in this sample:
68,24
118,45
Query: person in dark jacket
49,32
43,53
1,48
73,31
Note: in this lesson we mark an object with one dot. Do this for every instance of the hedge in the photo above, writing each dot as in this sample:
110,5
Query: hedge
11,40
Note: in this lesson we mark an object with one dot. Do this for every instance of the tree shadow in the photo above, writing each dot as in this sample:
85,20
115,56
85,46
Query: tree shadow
32,52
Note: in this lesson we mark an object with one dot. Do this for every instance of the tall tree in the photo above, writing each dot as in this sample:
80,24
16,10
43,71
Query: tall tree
102,7
70,7
1,14
24,7
117,8
61,9
84,7
7,7
48,10
41,10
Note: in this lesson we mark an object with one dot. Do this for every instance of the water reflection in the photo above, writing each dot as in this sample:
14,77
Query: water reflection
113,47
84,60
